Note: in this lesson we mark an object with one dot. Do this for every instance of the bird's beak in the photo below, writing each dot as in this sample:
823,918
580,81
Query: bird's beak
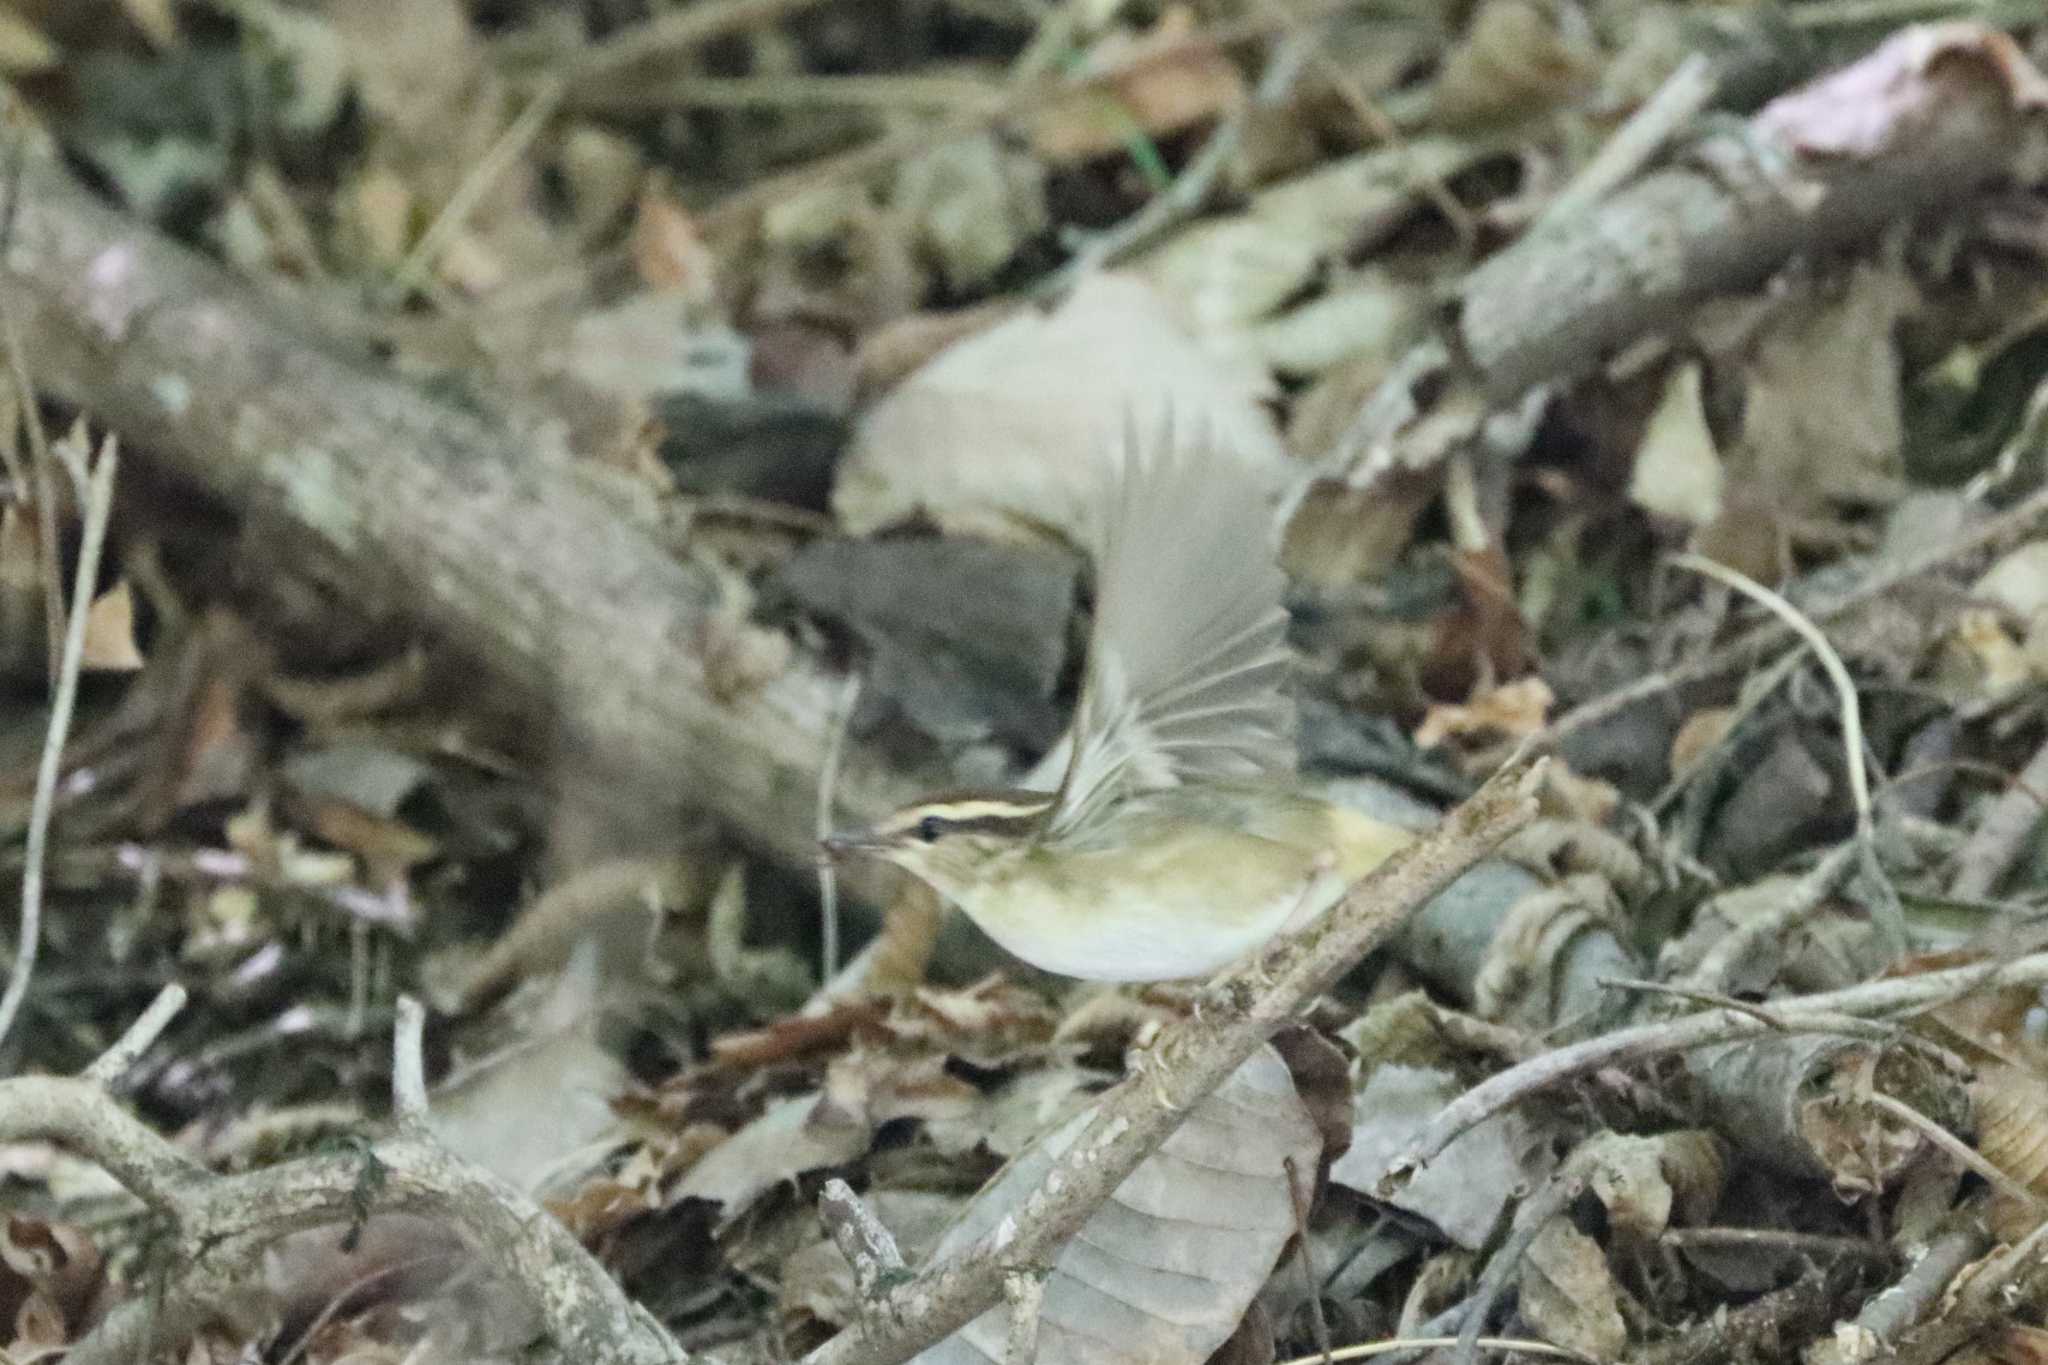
847,843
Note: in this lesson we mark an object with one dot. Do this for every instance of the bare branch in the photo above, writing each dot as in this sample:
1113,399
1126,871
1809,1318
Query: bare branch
1876,999
82,1118
224,1223
1191,1058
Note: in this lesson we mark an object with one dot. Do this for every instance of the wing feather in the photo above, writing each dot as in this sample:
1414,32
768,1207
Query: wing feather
1187,661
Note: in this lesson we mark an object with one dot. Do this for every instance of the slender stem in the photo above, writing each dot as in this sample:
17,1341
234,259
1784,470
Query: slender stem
98,510
112,1064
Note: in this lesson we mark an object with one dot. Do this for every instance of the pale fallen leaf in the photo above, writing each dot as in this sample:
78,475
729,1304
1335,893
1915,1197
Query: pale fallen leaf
973,203
1461,1192
1982,659
1649,1183
24,48
1006,432
2011,1109
648,345
1162,1274
1370,317
1226,272
2018,582
110,632
1569,1295
488,1112
1677,470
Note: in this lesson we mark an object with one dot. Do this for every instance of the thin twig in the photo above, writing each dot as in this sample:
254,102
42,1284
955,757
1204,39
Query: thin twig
13,129
1886,911
860,1236
671,35
1845,686
232,1219
800,90
98,511
1806,896
1531,1218
1955,1148
1027,98
1698,996
1888,998
509,147
1185,196
1519,1345
1675,103
408,1063
113,1064
1776,1239
2001,836
1319,1322
2007,528
828,786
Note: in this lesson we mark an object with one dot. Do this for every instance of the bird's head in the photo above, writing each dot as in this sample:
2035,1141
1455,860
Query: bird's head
949,841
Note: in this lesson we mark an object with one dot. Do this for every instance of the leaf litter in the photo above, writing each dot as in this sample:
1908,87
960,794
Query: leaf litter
777,289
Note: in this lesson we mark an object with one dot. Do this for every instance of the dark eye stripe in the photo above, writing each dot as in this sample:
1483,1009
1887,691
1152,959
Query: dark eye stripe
1019,824
1015,814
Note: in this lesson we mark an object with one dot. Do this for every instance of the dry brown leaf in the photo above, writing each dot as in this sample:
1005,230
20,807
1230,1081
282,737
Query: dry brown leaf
1483,638
1750,536
388,848
669,253
1649,1184
1195,82
1512,61
110,633
1981,660
2011,1105
1516,710
1702,733
1822,417
1585,800
1893,95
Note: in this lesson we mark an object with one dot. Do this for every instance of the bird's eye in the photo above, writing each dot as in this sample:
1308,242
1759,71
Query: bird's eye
930,828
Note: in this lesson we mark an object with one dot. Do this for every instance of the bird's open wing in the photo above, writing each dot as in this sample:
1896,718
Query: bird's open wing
1187,661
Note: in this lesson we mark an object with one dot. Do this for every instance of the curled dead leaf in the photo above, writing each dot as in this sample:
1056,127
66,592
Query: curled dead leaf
1172,79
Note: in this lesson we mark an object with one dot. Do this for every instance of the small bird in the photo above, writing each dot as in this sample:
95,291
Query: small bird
1176,840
